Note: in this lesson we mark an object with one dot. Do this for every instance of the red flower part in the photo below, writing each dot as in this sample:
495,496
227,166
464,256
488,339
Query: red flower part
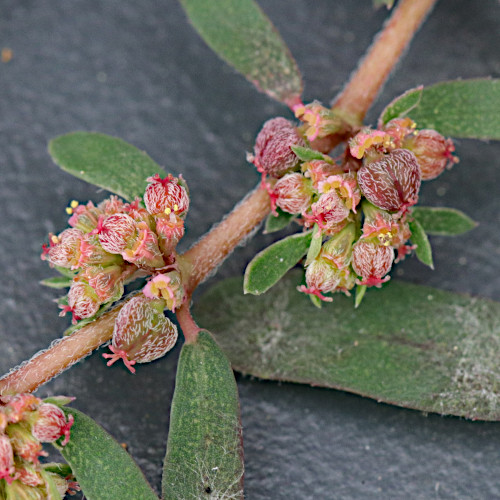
403,251
393,182
372,262
84,217
112,205
399,129
367,139
51,424
6,459
168,287
293,193
346,186
142,332
314,291
116,232
166,196
320,121
117,355
434,153
272,151
24,443
28,475
319,170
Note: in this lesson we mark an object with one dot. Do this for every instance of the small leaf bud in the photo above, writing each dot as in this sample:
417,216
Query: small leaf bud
142,333
293,193
434,153
272,151
393,182
372,262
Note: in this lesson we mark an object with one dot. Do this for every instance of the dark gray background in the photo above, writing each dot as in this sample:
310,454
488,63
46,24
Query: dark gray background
138,71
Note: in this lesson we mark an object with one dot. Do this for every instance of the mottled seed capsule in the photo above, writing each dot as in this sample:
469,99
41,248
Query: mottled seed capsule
372,262
50,424
293,193
329,210
144,251
142,333
272,151
24,443
64,250
434,153
166,196
116,232
393,182
338,249
83,302
321,277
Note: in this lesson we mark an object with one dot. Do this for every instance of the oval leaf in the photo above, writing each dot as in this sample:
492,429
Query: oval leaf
461,108
307,154
401,106
105,161
443,221
102,467
241,34
419,238
278,222
268,266
57,282
407,345
204,452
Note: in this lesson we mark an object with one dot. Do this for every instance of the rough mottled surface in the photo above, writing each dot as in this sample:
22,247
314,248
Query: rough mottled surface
136,70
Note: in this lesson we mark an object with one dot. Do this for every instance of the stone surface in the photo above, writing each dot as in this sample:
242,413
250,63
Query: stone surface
138,71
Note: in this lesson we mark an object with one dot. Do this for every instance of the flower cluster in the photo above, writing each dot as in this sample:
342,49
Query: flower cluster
115,242
25,423
359,204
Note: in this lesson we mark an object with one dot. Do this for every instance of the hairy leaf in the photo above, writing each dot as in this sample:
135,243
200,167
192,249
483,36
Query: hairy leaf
443,221
460,108
241,34
105,161
269,265
401,106
102,467
407,345
57,282
204,452
277,223
419,238
307,154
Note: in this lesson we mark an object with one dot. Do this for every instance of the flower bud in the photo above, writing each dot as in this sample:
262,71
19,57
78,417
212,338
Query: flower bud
139,214
399,129
83,217
144,251
166,196
64,250
27,474
379,225
17,407
372,262
168,287
329,210
50,424
116,232
170,230
112,205
338,249
293,193
107,282
321,277
83,302
24,443
6,459
142,333
272,151
393,182
434,153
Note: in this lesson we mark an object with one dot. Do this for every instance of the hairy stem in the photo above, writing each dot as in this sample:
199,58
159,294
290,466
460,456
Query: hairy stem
206,255
366,82
188,325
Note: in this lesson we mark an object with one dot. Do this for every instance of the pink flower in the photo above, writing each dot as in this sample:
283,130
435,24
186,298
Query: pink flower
167,287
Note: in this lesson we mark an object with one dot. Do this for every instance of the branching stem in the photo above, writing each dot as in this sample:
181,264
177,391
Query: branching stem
199,261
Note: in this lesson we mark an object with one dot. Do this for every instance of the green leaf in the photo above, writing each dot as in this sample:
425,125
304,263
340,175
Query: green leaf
105,161
65,272
443,221
315,246
307,154
57,282
460,108
204,452
407,345
277,223
360,293
241,34
419,238
269,265
102,467
402,105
